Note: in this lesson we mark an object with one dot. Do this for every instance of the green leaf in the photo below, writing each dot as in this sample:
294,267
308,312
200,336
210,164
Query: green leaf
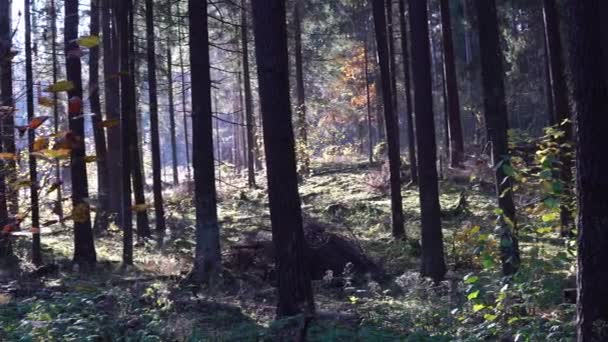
488,262
89,42
473,295
471,279
508,170
478,307
550,217
490,317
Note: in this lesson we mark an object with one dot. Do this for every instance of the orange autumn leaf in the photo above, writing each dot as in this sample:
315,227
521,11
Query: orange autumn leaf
37,122
75,105
7,156
40,144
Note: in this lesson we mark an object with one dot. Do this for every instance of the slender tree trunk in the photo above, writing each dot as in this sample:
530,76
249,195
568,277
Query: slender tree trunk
393,64
433,263
184,103
111,62
101,219
561,109
207,263
29,89
6,100
497,125
456,151
251,141
408,95
588,35
84,247
370,135
58,207
295,290
301,93
159,209
172,118
390,119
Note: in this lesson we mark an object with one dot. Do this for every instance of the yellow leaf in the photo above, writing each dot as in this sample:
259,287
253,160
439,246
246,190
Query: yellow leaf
40,144
139,208
7,156
46,101
109,123
80,213
60,86
89,42
90,159
61,153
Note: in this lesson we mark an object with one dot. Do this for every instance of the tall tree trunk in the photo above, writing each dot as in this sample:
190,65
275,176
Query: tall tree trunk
589,64
561,109
172,118
58,206
497,124
207,262
127,105
251,141
433,263
29,89
184,103
370,135
6,99
301,93
408,95
159,209
392,63
111,67
390,119
295,290
84,247
101,219
456,151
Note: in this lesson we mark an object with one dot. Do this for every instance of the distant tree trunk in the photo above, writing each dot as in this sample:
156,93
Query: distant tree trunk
301,93
159,209
127,105
587,36
84,247
433,263
184,107
408,95
111,62
172,118
251,141
497,125
456,151
390,119
101,219
561,109
207,262
29,89
295,290
370,135
58,206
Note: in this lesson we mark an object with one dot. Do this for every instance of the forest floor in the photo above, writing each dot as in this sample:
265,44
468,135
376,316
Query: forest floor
147,303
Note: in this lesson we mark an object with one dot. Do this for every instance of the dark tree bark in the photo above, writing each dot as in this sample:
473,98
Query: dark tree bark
172,116
370,135
433,263
101,219
6,100
58,207
588,36
456,151
561,109
251,141
295,290
390,119
497,124
408,95
159,209
127,105
300,92
8,121
392,61
84,247
29,90
207,263
111,66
